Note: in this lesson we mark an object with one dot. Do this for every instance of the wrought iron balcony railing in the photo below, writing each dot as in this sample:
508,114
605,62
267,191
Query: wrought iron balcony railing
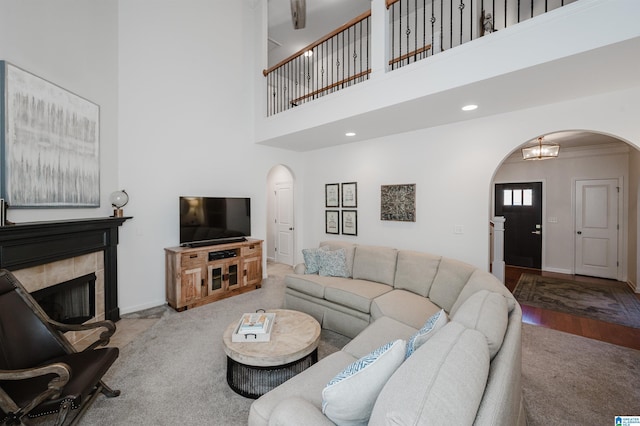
417,29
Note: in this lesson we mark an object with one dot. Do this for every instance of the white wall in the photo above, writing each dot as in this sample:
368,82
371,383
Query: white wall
559,176
186,85
634,219
73,44
453,167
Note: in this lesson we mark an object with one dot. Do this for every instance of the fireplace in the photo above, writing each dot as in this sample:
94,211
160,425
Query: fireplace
45,253
70,302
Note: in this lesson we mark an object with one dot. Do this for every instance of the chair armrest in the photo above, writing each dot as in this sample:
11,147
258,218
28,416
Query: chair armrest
54,387
104,336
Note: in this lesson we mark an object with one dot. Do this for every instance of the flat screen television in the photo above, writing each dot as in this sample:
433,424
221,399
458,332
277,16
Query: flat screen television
214,220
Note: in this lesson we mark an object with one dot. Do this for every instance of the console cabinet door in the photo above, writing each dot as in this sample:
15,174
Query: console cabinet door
252,264
253,271
224,276
191,286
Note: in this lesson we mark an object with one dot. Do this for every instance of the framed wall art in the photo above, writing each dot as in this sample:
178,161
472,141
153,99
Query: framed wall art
350,194
332,221
332,195
49,143
349,222
398,202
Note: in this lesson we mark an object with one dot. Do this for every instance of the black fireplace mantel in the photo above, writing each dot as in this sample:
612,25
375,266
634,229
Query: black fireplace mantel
24,245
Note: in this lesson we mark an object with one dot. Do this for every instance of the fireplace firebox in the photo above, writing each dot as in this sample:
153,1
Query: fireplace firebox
70,302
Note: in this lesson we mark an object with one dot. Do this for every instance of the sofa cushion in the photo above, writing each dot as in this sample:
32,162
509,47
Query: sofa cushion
376,334
375,264
349,251
311,284
441,383
415,271
349,397
311,260
428,330
403,306
355,294
486,312
307,385
332,263
448,283
480,280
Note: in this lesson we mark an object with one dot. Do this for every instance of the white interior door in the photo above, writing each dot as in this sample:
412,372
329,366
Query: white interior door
284,223
596,225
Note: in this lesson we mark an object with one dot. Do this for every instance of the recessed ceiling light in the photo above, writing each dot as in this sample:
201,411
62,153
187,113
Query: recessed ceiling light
469,107
350,134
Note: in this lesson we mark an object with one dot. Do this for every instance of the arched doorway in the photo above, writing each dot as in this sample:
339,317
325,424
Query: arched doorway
587,159
280,244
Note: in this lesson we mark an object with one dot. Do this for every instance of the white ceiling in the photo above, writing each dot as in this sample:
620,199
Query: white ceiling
323,16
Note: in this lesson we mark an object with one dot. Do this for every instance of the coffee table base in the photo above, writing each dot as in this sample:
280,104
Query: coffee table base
253,382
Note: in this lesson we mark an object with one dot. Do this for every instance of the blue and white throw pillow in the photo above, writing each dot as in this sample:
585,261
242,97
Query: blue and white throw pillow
433,324
311,260
349,397
332,263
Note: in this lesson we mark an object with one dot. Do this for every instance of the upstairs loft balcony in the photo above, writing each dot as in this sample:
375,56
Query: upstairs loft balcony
416,29
416,67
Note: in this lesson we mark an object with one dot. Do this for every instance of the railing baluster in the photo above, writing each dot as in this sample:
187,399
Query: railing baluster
341,59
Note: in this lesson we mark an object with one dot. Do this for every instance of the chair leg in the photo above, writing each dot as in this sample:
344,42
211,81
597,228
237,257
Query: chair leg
108,392
65,407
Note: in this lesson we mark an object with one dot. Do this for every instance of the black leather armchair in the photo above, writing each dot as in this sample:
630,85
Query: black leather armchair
40,371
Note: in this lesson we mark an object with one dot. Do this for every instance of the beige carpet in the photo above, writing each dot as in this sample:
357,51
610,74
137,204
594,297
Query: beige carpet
611,302
174,373
572,380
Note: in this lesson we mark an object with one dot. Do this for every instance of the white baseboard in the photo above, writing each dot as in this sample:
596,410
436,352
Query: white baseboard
559,270
149,305
633,286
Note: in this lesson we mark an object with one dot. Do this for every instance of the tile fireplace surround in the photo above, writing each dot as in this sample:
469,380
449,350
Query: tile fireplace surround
43,254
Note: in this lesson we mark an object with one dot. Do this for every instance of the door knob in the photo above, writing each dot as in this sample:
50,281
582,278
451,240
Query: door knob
536,232
290,229
579,232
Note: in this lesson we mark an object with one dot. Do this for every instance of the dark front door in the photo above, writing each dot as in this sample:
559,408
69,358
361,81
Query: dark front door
521,206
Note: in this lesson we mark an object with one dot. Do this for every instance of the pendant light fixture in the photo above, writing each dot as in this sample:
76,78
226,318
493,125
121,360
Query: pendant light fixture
540,151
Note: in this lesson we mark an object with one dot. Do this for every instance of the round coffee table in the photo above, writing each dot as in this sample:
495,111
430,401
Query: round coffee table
254,368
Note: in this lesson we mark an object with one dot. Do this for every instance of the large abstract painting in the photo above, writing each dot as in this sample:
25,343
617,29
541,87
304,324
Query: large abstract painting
49,150
398,202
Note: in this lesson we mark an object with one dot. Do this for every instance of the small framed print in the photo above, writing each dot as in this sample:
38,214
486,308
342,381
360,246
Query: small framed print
332,221
332,195
350,194
349,222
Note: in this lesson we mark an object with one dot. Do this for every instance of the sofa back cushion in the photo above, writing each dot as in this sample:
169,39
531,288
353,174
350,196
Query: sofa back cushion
449,281
483,280
415,271
486,312
441,383
349,397
375,264
349,251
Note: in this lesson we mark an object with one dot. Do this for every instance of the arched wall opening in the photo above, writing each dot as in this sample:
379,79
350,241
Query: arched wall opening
280,235
585,155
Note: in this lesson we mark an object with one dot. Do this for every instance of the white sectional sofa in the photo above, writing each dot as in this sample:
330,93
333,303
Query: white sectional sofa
467,372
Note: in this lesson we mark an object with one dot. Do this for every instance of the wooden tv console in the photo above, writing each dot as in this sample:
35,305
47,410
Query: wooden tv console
199,275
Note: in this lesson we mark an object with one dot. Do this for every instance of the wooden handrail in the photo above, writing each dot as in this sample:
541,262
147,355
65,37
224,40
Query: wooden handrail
338,30
390,2
410,54
329,87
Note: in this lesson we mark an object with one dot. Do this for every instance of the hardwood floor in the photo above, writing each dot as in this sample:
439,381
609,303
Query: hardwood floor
593,329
